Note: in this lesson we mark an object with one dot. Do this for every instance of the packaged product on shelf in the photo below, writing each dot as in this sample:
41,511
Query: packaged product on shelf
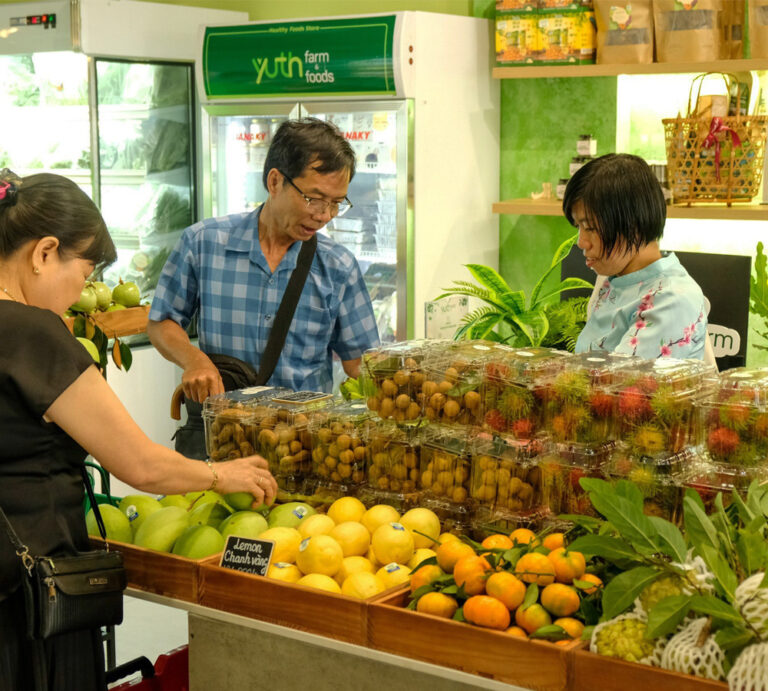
579,407
453,383
515,5
691,33
513,398
393,466
516,39
566,37
445,476
758,28
394,375
230,421
732,423
563,467
624,31
654,405
339,435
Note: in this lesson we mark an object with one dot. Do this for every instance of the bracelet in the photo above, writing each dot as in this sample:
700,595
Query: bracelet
215,476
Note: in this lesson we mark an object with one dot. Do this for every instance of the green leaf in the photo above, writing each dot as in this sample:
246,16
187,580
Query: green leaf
715,608
586,635
459,614
667,614
531,596
533,324
752,550
695,497
670,538
560,254
78,327
630,491
421,590
610,548
754,494
700,530
514,301
593,484
628,519
125,351
513,554
730,637
488,277
745,513
589,523
566,284
725,579
621,592
551,632
450,590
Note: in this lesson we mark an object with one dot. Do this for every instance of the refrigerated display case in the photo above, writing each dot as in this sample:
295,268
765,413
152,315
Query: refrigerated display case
413,94
112,109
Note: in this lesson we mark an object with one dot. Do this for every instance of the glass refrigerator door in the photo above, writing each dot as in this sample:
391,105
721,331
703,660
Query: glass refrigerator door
146,163
374,229
44,117
238,142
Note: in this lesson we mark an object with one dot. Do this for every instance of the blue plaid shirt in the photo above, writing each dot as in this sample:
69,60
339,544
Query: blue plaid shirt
218,270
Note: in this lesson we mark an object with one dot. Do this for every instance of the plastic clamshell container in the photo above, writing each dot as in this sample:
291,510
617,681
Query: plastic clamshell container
578,407
339,448
562,468
732,422
230,422
506,480
513,391
395,377
393,466
654,405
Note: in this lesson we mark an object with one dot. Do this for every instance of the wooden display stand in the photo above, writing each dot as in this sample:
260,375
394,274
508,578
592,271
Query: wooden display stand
127,322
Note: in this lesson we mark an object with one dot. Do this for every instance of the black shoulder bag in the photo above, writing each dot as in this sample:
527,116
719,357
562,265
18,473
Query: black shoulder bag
65,594
236,374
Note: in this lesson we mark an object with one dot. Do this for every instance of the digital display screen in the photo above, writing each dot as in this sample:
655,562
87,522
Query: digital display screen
44,20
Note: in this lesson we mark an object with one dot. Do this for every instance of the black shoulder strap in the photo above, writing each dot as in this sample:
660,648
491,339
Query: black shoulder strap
285,312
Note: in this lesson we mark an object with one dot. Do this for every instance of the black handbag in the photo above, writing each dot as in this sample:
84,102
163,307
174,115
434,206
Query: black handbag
71,593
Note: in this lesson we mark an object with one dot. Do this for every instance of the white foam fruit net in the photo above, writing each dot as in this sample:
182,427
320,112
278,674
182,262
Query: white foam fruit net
687,653
653,659
750,673
697,572
752,602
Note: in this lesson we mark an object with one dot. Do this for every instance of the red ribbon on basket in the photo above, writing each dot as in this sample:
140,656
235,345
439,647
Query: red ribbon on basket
716,127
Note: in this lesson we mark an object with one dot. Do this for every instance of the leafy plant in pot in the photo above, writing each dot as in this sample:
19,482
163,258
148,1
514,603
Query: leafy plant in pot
507,316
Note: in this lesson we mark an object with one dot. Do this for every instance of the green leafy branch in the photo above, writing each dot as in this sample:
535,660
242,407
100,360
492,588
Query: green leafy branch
758,292
85,327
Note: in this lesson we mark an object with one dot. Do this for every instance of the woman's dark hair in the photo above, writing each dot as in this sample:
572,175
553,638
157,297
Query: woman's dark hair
299,143
44,205
622,199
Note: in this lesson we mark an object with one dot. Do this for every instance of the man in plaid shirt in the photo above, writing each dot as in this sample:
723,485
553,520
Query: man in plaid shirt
232,271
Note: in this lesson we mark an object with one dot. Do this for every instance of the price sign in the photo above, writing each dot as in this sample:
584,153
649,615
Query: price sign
301,397
247,555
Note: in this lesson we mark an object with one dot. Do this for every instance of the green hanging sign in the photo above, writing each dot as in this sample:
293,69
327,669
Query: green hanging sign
336,57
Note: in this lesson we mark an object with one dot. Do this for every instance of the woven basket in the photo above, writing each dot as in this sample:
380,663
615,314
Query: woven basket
691,159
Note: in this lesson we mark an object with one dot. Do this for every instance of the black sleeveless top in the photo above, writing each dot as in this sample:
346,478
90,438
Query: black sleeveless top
41,487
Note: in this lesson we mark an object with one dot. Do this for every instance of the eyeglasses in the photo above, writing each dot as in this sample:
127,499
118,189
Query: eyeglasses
320,206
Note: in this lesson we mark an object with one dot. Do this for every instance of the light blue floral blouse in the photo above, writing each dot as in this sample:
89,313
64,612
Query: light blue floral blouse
655,312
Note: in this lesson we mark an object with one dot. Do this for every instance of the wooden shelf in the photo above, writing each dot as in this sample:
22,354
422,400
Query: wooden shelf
127,322
613,70
553,207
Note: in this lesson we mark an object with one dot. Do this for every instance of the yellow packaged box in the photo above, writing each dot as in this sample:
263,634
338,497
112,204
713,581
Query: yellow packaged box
566,38
516,39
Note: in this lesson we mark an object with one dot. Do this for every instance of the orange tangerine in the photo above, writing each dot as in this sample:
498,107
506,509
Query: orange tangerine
591,578
560,599
535,568
568,565
553,541
532,618
438,605
517,632
506,588
573,627
471,572
523,536
497,542
488,612
450,551
425,575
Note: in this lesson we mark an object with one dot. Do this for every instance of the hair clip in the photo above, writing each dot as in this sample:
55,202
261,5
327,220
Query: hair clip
9,187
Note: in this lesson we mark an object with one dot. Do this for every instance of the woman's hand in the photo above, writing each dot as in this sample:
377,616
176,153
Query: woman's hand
250,474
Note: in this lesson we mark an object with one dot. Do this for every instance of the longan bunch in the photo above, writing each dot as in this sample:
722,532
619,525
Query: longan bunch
398,392
284,440
445,474
393,466
504,484
230,435
339,452
451,395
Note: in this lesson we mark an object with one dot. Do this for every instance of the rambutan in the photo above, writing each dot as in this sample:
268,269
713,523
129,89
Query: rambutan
633,404
722,442
495,420
648,439
523,428
515,402
647,384
571,386
761,426
601,403
735,415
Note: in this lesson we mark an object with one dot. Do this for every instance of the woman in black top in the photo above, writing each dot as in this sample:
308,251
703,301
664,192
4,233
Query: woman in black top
55,408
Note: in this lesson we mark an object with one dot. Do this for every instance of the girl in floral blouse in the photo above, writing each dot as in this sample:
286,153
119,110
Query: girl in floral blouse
647,304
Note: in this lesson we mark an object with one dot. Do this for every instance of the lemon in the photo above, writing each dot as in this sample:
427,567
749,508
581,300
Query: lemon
446,537
320,554
392,542
426,523
283,571
371,557
378,515
362,585
319,581
352,565
353,537
419,556
393,574
287,541
346,509
316,524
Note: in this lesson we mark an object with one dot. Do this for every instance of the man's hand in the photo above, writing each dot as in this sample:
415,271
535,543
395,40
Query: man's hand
201,379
